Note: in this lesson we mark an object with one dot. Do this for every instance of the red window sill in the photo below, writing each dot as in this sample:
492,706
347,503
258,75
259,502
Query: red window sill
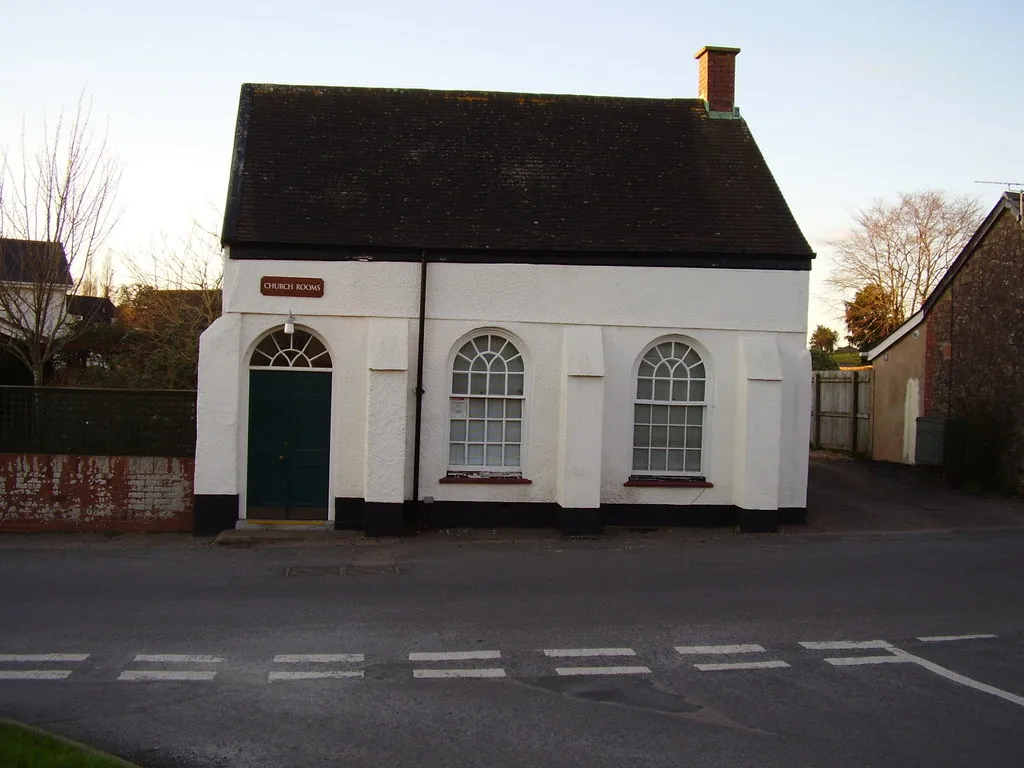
484,480
681,483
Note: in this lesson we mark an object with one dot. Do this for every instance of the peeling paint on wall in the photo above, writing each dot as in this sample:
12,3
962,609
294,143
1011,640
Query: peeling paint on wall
42,492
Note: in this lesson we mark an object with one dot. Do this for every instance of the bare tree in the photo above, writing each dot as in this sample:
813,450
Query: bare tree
903,247
98,278
174,296
58,205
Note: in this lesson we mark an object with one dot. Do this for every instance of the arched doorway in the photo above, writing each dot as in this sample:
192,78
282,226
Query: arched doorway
289,428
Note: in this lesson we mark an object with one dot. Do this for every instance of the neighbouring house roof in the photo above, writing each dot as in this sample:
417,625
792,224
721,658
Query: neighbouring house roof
465,170
33,261
92,309
915,320
154,307
1008,201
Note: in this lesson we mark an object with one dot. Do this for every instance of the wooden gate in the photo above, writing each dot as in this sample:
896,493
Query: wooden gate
841,411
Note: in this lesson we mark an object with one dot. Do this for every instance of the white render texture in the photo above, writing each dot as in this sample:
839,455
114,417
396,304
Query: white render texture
796,422
217,407
748,325
386,403
581,418
759,432
657,297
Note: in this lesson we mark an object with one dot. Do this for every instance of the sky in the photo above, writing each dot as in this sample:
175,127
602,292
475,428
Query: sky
848,101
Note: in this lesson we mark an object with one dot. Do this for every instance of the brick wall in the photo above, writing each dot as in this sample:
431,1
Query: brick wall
975,369
42,492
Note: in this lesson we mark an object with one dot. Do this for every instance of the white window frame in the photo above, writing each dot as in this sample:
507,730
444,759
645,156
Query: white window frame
672,426
464,402
284,361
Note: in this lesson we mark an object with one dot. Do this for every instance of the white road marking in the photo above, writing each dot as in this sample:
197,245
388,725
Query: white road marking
958,678
34,674
159,675
178,658
67,657
327,673
950,638
603,671
845,645
741,665
455,656
580,652
317,658
708,649
853,661
439,673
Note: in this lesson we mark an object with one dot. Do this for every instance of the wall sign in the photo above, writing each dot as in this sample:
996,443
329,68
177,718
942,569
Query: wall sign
310,287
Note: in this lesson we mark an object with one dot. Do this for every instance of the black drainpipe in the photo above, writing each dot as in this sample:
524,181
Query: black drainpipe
417,513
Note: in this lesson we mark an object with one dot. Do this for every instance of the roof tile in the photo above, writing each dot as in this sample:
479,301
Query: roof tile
392,168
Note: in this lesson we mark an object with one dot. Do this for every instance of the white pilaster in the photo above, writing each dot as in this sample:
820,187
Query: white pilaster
387,402
796,425
217,407
581,418
758,424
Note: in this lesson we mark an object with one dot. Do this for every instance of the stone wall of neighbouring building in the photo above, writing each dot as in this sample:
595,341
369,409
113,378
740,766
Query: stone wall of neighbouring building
44,492
975,370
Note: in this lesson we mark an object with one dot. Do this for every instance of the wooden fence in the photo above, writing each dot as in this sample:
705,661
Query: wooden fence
841,411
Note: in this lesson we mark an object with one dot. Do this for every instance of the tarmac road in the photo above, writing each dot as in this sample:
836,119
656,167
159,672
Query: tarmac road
704,649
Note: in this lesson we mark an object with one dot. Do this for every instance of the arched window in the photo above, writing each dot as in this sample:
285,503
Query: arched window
669,410
486,415
300,349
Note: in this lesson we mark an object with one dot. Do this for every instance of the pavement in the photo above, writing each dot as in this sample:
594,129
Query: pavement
845,496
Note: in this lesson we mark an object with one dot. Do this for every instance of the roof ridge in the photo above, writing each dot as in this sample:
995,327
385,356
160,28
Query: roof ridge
268,88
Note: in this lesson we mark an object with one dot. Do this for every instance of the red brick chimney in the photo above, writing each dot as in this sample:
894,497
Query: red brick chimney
716,82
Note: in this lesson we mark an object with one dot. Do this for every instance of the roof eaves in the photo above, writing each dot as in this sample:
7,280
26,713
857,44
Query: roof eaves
890,340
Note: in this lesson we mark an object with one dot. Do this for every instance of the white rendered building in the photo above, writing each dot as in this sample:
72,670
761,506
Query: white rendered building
463,308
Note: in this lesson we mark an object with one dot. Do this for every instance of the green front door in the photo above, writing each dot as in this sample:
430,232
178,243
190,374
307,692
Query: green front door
289,445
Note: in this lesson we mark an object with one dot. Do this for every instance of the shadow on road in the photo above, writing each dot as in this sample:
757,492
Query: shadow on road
849,495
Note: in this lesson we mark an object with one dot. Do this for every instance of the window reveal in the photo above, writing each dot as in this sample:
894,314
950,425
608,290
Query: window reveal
486,406
669,410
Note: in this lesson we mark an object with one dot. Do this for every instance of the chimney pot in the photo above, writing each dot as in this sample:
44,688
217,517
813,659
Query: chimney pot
716,78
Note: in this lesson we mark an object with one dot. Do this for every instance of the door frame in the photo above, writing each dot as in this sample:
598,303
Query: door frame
243,420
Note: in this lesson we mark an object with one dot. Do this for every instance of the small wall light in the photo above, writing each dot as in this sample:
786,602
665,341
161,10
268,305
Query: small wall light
289,324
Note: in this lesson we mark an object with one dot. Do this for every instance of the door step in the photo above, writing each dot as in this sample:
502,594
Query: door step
283,525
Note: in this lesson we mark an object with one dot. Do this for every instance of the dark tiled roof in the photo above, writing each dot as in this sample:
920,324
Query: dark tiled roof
92,309
370,167
30,261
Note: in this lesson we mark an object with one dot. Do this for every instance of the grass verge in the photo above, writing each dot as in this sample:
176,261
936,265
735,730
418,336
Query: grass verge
22,746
